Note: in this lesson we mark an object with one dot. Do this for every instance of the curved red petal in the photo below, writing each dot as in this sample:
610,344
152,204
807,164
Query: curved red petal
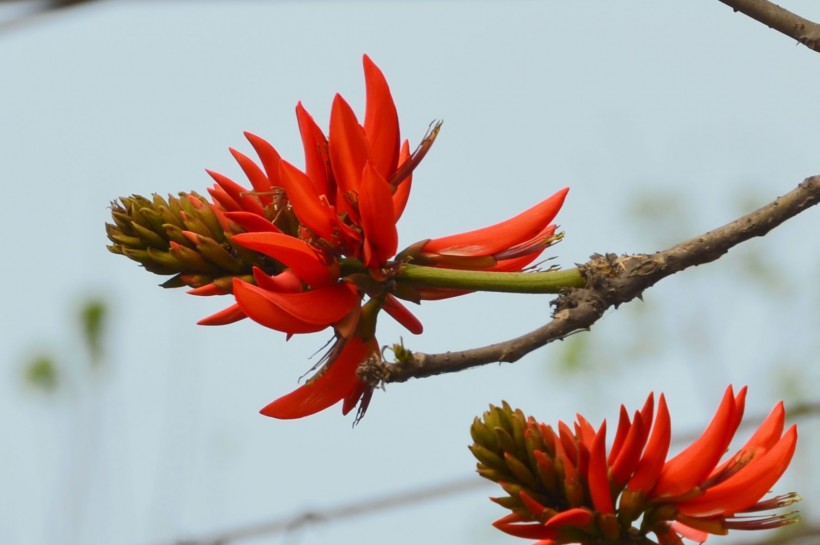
317,161
286,281
402,191
268,155
624,425
747,486
381,122
402,315
336,381
694,463
347,146
252,222
260,183
501,236
292,252
597,474
654,455
239,194
766,436
312,212
225,316
630,455
577,517
377,219
304,312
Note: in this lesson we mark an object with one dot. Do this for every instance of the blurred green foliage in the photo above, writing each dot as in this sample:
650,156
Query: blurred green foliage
93,315
40,373
46,373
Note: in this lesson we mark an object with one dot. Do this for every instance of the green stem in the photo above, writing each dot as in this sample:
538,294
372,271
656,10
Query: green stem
509,282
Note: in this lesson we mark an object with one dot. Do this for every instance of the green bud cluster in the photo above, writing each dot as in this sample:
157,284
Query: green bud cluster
180,236
512,451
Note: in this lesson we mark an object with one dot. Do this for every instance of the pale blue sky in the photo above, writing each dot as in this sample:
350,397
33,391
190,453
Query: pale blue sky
616,101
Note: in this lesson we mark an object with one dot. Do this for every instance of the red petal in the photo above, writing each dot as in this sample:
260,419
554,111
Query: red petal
759,443
225,316
292,252
334,383
402,191
399,312
501,236
630,455
304,312
312,212
317,161
576,517
221,196
624,425
238,193
269,157
251,222
654,455
286,281
257,178
597,474
347,145
381,123
747,486
207,290
377,219
513,524
693,464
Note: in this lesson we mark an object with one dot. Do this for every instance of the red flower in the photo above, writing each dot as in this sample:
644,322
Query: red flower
307,249
565,488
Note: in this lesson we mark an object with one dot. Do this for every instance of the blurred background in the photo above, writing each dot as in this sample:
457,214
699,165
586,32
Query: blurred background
125,423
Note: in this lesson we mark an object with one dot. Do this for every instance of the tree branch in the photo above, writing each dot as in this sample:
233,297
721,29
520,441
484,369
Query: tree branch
610,282
773,16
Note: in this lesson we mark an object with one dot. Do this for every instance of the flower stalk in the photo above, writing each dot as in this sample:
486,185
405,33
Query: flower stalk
553,281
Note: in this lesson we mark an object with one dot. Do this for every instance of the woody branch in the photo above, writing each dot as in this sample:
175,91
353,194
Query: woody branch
610,281
782,20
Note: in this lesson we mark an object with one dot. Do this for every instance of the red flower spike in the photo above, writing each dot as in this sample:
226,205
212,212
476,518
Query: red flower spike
298,255
576,498
336,381
377,218
381,123
347,146
496,238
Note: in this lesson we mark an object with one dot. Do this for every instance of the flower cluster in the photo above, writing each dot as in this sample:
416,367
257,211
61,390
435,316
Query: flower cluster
564,487
307,249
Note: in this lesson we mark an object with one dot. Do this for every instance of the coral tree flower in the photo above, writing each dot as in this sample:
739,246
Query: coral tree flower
304,250
564,487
